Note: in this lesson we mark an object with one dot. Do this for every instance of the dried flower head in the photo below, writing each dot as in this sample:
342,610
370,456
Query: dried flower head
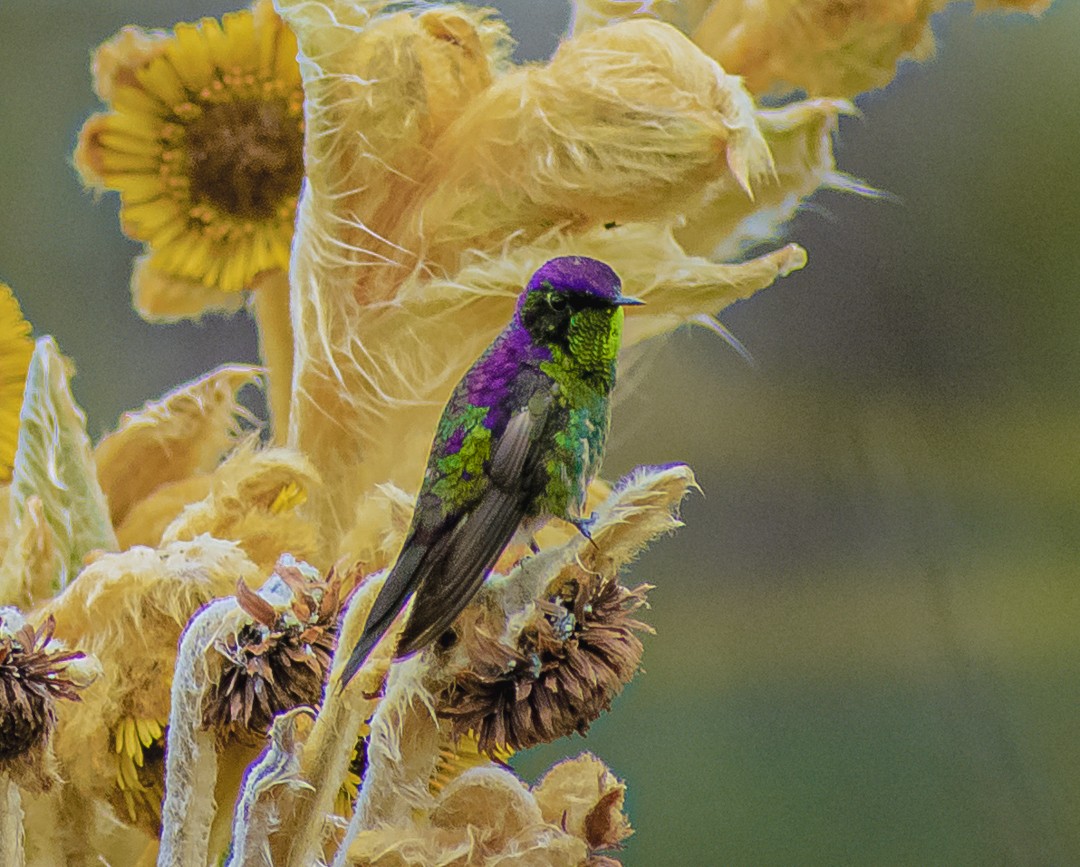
33,677
35,672
279,658
204,142
573,655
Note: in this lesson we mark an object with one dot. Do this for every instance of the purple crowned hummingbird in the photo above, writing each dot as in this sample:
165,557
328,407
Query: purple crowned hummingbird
518,442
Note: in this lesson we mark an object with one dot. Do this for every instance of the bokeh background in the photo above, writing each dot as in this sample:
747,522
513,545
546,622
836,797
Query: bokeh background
868,646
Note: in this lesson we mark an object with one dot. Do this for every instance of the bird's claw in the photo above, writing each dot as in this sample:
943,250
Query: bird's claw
585,525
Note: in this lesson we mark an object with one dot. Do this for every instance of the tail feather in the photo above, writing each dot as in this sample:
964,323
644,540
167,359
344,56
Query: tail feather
464,560
400,583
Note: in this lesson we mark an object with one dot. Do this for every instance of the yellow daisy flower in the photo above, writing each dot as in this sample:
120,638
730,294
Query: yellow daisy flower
204,143
16,347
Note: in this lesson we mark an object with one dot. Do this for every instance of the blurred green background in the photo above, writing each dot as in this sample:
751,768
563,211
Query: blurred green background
868,645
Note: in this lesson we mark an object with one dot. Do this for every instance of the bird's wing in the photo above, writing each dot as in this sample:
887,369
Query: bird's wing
457,564
447,560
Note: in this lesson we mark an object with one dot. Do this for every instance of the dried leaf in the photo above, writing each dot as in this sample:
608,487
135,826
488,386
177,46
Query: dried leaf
586,799
173,439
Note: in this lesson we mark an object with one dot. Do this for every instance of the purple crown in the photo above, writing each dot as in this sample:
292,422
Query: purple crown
577,274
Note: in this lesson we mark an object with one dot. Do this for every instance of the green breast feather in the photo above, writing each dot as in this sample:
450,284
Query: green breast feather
584,375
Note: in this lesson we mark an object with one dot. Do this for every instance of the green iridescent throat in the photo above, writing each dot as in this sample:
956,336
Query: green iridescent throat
587,360
584,375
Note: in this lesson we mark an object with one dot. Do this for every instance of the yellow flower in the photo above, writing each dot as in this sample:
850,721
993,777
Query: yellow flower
16,347
204,142
139,745
456,756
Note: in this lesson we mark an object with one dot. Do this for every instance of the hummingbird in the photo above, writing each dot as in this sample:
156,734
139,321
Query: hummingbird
519,441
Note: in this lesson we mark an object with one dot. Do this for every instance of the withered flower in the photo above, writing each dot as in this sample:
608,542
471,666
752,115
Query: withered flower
34,676
277,661
574,654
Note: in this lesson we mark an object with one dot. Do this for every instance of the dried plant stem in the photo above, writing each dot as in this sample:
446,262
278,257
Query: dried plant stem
403,749
330,744
190,754
270,307
11,824
257,809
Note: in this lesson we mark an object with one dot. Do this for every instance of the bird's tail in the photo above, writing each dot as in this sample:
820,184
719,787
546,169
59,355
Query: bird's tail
400,583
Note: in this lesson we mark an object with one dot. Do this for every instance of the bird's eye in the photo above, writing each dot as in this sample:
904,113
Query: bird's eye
556,301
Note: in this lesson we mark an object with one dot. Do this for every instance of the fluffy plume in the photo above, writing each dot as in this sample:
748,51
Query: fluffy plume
820,47
800,139
401,276
625,124
171,440
254,498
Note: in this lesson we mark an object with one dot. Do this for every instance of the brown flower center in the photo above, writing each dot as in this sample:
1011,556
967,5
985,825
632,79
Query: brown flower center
245,157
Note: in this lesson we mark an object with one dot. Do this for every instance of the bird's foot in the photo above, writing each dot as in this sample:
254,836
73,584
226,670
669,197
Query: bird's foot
585,525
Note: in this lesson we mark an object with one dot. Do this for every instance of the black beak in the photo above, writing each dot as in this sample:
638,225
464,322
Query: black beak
626,301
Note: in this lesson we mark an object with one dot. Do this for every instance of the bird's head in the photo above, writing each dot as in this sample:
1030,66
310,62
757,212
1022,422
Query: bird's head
573,305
